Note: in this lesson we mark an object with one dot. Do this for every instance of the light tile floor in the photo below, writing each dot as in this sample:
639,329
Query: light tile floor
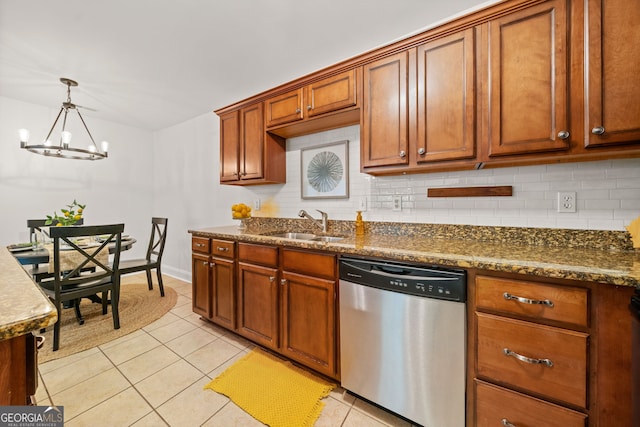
155,377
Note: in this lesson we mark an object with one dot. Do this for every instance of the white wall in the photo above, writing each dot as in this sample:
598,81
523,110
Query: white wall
187,189
117,189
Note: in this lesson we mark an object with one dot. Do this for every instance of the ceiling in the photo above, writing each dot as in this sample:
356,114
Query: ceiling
154,63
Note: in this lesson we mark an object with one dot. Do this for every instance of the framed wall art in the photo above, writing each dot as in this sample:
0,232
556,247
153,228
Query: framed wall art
324,171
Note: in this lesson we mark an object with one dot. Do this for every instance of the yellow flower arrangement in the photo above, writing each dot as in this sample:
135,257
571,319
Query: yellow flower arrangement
69,216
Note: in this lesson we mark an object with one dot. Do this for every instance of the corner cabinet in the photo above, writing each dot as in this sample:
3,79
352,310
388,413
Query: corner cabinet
248,154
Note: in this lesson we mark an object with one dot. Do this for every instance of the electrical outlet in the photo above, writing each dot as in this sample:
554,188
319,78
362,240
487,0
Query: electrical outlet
566,201
256,205
397,203
362,204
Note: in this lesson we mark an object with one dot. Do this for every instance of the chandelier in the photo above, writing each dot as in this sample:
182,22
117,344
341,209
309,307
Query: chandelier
64,149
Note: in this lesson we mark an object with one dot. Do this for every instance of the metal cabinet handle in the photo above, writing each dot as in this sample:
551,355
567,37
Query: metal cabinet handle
205,262
421,151
212,264
309,107
272,279
546,302
563,134
506,423
526,359
283,282
221,249
403,154
199,245
298,110
235,174
597,130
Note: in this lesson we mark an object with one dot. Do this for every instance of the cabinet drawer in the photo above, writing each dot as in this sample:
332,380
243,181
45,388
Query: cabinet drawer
565,380
258,254
563,304
200,245
312,263
223,248
495,404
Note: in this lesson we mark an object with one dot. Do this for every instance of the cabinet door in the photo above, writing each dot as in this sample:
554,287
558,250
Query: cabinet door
252,142
446,99
258,304
201,285
223,302
308,321
384,131
229,146
331,94
612,67
528,81
285,108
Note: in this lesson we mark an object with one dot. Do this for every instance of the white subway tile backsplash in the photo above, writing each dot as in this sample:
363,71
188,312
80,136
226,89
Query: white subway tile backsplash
607,192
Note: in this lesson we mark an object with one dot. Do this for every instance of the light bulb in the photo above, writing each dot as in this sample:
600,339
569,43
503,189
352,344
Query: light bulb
65,136
47,143
92,148
24,137
105,146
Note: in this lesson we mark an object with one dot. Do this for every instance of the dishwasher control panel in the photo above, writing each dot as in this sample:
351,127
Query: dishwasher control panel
413,279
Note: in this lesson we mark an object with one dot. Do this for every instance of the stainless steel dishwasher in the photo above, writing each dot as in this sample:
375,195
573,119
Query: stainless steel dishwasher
403,338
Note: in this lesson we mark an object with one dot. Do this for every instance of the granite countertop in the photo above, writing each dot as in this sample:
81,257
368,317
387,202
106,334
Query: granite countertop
23,306
537,253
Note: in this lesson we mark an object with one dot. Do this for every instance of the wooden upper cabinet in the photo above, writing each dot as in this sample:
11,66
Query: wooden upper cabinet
612,62
229,146
385,113
446,99
249,155
327,95
251,142
285,108
527,82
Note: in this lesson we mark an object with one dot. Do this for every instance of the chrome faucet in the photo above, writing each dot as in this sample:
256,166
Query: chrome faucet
323,224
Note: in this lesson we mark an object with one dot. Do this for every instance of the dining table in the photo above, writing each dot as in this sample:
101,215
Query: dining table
28,255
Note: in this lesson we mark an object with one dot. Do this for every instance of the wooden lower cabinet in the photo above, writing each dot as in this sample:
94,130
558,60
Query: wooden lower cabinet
18,370
308,321
497,406
548,352
258,304
213,280
201,285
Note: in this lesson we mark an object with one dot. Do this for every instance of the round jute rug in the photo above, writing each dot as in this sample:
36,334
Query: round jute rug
138,307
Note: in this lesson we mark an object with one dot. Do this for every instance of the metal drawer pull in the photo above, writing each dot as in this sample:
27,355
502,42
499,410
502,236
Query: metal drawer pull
199,245
506,423
546,302
597,130
221,249
525,359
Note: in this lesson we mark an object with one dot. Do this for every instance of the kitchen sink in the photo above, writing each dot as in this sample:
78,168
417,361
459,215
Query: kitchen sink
296,236
327,238
305,236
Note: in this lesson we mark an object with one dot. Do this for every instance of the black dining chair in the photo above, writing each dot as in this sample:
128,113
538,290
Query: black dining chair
153,259
41,271
72,284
